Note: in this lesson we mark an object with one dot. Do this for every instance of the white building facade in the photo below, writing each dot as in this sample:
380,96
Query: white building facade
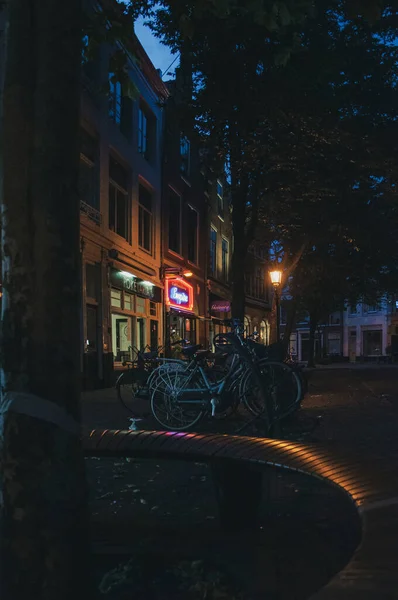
367,330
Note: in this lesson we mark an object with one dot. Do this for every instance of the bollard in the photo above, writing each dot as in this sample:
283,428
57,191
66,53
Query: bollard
238,493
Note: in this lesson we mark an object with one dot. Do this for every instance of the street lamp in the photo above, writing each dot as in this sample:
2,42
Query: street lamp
276,280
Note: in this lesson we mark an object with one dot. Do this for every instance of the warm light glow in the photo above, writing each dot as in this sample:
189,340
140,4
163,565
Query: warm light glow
276,277
187,273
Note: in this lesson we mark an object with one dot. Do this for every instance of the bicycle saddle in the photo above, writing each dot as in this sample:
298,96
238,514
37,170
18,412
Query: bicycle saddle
149,355
190,350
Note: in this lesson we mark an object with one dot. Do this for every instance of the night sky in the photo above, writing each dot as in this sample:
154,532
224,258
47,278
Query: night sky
159,54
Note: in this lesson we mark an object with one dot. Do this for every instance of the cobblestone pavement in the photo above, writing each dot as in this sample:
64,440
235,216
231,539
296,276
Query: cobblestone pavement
161,512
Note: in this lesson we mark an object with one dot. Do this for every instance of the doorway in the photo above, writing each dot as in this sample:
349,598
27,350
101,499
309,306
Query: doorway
140,334
121,337
154,334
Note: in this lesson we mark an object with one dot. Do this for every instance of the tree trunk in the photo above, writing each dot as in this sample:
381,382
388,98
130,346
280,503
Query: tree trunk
290,322
238,283
44,515
240,248
311,350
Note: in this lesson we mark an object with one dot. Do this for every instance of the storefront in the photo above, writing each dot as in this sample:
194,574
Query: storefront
256,321
180,306
136,314
220,311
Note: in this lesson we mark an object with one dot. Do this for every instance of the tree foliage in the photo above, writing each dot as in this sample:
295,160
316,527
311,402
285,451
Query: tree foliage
298,99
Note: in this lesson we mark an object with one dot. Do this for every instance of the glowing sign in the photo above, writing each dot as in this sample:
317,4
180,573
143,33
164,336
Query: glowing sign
179,294
221,306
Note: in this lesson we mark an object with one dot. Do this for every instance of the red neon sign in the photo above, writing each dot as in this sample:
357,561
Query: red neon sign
179,294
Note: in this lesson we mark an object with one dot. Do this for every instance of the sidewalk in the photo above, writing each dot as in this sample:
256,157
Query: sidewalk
353,366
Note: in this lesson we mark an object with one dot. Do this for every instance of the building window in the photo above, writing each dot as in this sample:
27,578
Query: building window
174,222
213,251
259,284
353,310
264,329
334,345
88,171
146,132
128,301
185,156
145,219
140,304
246,325
115,99
192,235
372,343
118,200
225,259
152,309
220,199
142,132
371,308
116,298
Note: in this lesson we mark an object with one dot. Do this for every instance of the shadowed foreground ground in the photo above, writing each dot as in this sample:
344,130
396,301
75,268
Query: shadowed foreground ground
160,514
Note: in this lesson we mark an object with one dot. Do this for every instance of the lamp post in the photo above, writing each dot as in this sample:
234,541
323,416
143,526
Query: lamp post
276,280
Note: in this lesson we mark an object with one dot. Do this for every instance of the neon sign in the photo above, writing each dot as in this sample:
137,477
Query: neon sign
179,294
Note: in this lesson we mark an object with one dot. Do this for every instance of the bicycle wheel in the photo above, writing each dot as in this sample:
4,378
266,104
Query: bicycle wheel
282,386
172,413
157,374
129,385
252,394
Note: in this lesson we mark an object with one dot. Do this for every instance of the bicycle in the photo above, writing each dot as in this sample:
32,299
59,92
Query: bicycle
181,398
132,383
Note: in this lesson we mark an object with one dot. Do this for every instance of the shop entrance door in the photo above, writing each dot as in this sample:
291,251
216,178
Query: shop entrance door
141,338
154,335
121,327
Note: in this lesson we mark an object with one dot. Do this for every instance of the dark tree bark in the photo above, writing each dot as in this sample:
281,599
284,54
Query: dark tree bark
44,516
238,264
290,322
244,226
313,326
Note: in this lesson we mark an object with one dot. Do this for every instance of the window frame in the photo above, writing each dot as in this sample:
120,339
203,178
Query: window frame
115,101
142,132
142,211
117,187
213,243
225,265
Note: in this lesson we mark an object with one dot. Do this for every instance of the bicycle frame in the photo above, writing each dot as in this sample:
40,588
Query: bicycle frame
210,389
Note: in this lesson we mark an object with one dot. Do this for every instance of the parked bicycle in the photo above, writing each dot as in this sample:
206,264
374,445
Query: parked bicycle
239,372
132,383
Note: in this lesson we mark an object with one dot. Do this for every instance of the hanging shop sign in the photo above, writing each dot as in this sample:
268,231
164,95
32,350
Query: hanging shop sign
134,285
221,306
179,294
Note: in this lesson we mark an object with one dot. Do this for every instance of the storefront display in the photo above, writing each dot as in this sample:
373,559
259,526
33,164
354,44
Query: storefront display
179,297
136,309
